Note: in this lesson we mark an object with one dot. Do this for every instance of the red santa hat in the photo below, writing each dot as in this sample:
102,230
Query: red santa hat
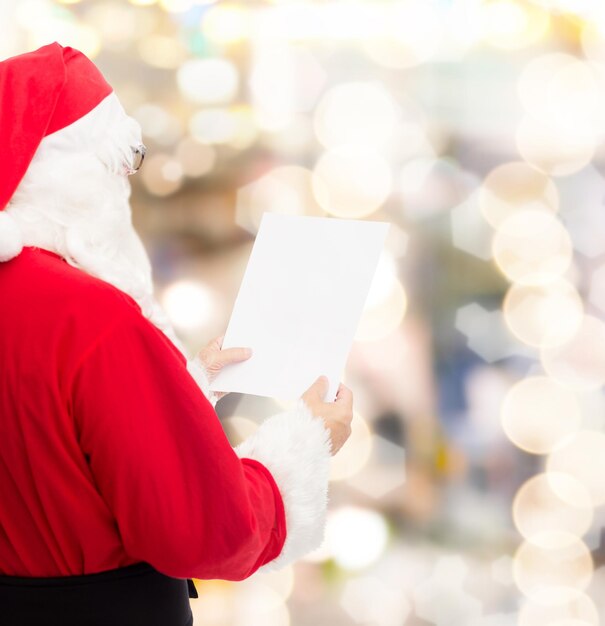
41,92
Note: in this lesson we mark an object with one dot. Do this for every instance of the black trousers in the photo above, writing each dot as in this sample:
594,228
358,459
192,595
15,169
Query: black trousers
136,595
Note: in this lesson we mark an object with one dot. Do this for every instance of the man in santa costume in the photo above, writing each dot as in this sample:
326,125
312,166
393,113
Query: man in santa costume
117,481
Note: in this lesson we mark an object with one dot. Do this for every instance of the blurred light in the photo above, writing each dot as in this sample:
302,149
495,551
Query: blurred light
580,361
429,186
354,454
286,189
258,605
239,428
543,315
162,51
563,91
292,139
539,415
583,458
532,247
542,511
189,305
180,6
196,159
227,23
443,596
368,600
409,33
516,186
486,333
555,149
143,3
563,569
284,80
120,25
233,126
358,113
350,181
593,40
158,124
512,24
502,570
575,7
385,305
470,232
45,22
345,526
172,171
597,287
208,81
162,175
578,610
280,581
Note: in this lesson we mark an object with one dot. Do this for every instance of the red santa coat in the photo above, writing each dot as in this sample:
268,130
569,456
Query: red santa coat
110,453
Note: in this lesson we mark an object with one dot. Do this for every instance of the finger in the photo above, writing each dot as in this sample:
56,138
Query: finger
219,340
320,387
233,355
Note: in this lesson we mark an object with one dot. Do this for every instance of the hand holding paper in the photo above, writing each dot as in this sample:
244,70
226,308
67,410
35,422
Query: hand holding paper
299,303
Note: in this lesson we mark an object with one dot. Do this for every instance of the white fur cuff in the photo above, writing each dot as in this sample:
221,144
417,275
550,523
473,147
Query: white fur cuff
295,446
198,371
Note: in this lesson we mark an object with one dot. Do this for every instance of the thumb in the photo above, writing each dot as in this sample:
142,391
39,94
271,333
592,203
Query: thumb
320,387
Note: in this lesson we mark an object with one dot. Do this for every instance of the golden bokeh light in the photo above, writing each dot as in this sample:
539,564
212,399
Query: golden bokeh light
532,247
579,362
578,610
162,51
359,113
233,126
583,458
345,526
543,315
189,304
565,565
351,181
513,187
409,33
227,23
196,159
543,513
286,189
513,24
208,81
538,415
564,91
353,456
162,175
555,150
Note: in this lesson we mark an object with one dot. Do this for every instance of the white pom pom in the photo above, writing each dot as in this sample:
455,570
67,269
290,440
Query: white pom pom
11,241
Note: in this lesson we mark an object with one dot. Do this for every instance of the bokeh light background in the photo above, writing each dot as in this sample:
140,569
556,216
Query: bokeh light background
472,489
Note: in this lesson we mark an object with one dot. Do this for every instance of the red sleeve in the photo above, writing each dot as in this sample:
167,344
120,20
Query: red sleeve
182,499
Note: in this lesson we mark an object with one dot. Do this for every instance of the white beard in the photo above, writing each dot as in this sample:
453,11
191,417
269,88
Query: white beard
72,203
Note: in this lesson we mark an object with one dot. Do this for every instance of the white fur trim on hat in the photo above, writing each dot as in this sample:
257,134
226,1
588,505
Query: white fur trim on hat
295,446
11,240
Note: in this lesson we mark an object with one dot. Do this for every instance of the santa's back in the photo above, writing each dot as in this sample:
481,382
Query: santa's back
52,519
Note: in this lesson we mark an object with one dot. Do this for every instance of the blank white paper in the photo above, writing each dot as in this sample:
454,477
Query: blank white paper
299,304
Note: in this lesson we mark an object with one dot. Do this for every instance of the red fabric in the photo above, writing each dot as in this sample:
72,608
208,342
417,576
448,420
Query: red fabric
40,93
109,452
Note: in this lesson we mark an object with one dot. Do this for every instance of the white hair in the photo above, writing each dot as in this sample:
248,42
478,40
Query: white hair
74,200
